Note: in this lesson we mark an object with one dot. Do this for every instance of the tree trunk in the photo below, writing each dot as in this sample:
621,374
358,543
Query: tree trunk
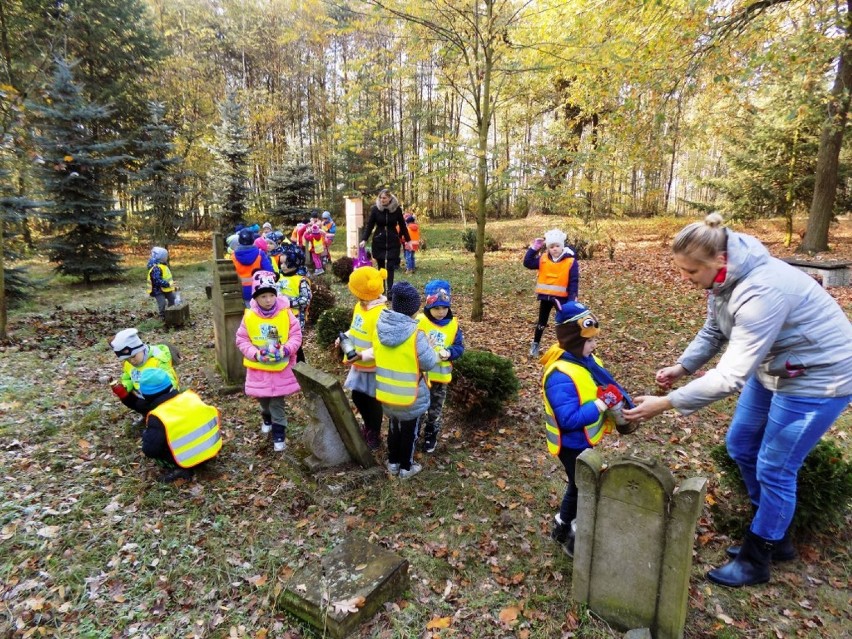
830,142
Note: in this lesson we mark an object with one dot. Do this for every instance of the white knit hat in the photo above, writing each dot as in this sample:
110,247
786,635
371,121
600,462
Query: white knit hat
554,236
126,343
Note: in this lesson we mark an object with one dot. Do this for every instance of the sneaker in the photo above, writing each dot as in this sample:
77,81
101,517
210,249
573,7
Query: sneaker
393,469
560,531
174,474
405,474
534,349
430,444
265,428
280,447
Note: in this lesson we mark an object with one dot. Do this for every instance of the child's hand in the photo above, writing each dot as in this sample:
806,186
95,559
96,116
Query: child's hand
609,395
444,354
537,244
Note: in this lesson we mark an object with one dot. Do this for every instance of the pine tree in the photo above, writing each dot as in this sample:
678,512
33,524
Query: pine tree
83,219
159,180
292,189
232,150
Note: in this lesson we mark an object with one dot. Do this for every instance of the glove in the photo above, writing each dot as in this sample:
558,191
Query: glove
119,390
609,395
537,243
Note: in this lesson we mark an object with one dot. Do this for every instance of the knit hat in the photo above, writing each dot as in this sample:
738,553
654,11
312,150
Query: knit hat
159,254
410,219
405,299
575,324
246,237
262,244
263,282
154,381
326,215
437,294
367,283
554,236
126,343
267,225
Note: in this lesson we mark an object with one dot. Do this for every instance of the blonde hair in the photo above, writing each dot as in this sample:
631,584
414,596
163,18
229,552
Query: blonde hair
702,241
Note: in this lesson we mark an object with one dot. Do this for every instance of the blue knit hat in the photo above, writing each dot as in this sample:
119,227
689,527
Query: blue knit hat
153,381
438,293
405,299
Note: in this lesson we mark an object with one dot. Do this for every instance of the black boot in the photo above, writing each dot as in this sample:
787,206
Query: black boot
563,534
749,568
174,474
784,550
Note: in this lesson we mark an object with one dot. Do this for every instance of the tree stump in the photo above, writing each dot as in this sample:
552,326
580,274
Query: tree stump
177,315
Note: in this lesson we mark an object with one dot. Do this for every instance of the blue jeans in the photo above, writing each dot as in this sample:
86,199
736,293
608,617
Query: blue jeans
409,259
769,438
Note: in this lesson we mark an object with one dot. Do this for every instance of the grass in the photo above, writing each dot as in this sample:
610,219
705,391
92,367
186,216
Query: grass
92,546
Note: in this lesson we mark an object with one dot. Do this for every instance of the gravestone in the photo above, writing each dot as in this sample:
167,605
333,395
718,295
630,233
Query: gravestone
828,273
333,436
176,315
346,587
633,551
228,309
354,221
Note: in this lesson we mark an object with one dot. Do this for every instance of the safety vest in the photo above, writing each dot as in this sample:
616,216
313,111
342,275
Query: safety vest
159,356
258,329
166,275
362,330
553,276
587,391
444,337
289,286
317,243
245,272
192,428
397,372
414,234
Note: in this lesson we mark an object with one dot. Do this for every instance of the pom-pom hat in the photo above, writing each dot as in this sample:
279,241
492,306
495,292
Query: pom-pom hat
554,236
153,381
263,282
405,299
126,343
438,293
575,324
367,283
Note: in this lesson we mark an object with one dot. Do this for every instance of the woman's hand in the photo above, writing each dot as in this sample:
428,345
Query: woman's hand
362,243
647,406
667,376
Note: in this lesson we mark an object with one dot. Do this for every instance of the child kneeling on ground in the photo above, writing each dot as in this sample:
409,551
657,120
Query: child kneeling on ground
181,431
136,357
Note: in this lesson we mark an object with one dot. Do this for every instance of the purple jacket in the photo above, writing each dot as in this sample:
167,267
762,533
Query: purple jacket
271,383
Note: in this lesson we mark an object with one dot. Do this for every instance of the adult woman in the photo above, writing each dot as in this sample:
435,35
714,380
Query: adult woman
789,352
387,219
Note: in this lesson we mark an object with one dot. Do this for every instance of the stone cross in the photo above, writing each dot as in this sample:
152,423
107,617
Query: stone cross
633,550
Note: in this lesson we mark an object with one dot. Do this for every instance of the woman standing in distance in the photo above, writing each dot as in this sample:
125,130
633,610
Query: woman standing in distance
387,219
787,350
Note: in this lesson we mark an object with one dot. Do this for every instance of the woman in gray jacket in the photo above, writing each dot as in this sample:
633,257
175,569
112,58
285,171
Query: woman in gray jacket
787,351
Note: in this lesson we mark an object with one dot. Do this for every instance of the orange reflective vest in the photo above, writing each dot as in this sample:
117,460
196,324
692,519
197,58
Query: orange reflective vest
553,276
414,234
244,272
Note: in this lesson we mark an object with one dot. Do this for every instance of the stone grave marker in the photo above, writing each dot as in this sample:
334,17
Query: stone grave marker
346,587
228,309
176,315
333,437
633,552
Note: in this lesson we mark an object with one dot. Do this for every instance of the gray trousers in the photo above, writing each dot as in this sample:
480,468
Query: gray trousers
274,411
162,298
434,418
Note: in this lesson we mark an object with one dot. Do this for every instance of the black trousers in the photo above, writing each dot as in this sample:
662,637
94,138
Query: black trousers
568,509
402,436
371,411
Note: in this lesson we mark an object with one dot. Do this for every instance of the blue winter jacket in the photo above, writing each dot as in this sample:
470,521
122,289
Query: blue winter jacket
246,255
571,416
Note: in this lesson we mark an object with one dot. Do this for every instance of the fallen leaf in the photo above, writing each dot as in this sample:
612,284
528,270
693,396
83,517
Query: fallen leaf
439,622
509,615
49,532
257,581
348,606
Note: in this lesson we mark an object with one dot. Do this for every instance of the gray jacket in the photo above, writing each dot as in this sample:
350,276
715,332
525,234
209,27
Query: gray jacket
393,329
774,321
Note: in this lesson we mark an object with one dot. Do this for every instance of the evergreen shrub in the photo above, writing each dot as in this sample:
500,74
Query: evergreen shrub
482,383
469,241
342,268
322,299
823,492
331,323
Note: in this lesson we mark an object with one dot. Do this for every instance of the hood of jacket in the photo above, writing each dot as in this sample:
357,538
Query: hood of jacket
281,304
246,255
392,206
745,253
394,328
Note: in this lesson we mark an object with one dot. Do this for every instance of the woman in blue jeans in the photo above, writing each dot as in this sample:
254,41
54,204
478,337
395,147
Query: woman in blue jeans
787,350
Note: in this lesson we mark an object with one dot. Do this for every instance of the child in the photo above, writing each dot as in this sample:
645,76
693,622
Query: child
403,353
181,431
248,259
329,227
315,247
138,357
268,337
582,401
411,247
439,324
367,284
161,285
293,285
558,277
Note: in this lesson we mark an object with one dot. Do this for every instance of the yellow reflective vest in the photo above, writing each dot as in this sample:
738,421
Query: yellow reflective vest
167,276
553,276
261,333
444,337
289,285
587,391
397,372
192,428
362,332
159,356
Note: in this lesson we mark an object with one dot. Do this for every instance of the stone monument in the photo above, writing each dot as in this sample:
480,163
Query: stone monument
633,551
345,587
228,309
333,436
354,222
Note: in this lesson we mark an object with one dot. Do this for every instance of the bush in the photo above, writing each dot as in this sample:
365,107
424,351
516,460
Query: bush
584,247
331,323
469,241
342,268
482,383
824,487
322,299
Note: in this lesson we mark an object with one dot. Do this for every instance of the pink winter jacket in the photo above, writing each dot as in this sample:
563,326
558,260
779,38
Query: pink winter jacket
271,383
